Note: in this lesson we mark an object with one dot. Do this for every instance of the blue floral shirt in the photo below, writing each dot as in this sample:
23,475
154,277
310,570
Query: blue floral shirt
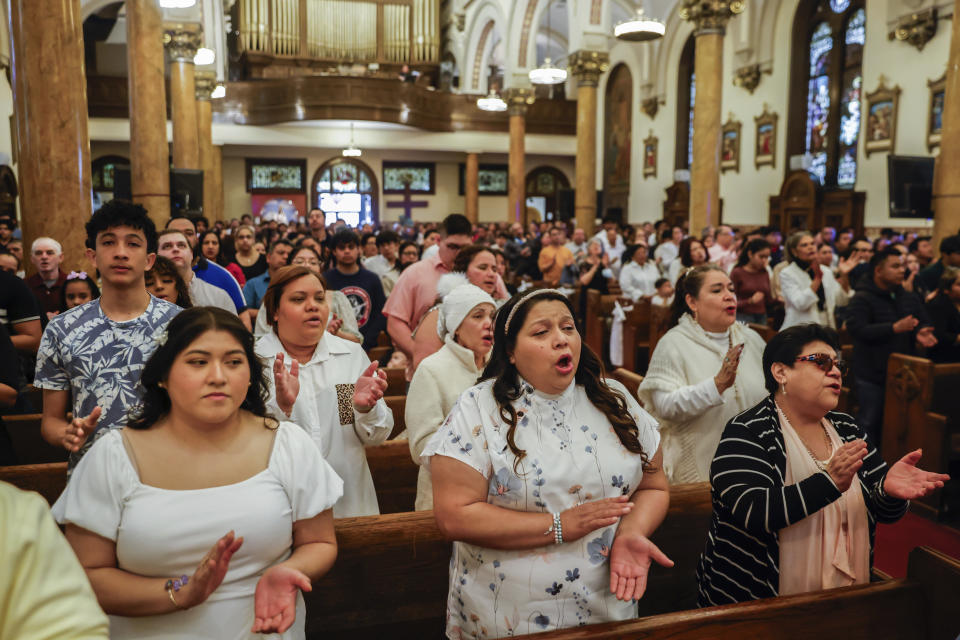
572,456
99,361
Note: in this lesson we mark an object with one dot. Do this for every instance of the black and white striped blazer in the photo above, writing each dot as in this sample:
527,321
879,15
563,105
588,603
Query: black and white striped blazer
751,504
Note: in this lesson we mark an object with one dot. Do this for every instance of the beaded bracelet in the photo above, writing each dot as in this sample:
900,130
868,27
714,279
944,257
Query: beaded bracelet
174,585
556,529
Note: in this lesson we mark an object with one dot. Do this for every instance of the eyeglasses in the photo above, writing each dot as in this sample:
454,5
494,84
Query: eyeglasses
825,362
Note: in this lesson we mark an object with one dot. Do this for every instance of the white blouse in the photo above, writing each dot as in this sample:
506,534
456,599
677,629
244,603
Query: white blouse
324,409
637,281
162,533
573,456
800,301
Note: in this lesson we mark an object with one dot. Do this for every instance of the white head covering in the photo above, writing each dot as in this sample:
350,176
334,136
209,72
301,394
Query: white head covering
457,305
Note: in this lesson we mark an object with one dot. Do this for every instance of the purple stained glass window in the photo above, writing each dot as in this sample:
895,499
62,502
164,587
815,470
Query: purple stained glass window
856,28
818,167
693,96
850,112
818,110
847,170
820,45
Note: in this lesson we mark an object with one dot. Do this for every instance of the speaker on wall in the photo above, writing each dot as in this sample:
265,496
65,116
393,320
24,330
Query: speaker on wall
566,204
186,192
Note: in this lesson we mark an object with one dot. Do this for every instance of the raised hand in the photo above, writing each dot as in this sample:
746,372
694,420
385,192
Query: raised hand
846,265
275,601
845,463
210,571
630,560
370,387
580,520
925,337
286,383
757,297
905,324
78,430
333,326
728,370
907,482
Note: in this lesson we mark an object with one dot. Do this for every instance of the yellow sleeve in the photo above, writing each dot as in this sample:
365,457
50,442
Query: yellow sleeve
44,592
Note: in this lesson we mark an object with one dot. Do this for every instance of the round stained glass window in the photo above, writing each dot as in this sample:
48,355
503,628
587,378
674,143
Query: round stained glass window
839,6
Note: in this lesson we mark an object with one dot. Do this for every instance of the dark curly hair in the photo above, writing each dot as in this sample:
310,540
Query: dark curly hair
590,374
165,267
121,213
186,327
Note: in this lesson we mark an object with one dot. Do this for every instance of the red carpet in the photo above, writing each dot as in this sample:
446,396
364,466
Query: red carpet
895,541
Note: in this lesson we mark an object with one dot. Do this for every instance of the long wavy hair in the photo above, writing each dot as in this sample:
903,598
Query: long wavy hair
590,374
186,327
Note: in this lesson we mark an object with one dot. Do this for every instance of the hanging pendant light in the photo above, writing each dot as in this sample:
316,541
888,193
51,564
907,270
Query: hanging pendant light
352,151
639,28
492,102
547,73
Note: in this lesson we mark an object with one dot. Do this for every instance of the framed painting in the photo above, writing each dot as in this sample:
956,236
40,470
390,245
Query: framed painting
765,151
650,146
276,175
938,90
881,121
421,176
730,146
492,179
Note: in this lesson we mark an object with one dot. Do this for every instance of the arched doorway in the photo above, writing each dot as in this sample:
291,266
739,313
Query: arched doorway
345,189
8,192
102,174
544,185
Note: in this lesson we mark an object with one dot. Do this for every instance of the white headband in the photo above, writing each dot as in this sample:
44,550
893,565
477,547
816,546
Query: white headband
535,292
457,305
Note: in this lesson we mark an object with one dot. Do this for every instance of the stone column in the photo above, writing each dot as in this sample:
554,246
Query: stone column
710,19
217,186
50,109
182,41
149,153
471,187
206,82
946,186
586,66
517,99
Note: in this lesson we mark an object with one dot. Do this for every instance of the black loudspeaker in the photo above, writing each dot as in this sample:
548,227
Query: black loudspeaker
121,182
186,192
566,205
910,186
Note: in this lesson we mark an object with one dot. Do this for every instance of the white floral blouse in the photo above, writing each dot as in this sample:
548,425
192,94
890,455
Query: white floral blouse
573,456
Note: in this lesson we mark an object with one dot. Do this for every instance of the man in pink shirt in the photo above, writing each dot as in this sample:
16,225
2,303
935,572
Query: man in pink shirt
724,253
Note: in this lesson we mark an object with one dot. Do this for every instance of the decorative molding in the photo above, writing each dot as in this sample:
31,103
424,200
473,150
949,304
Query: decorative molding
518,99
748,77
650,106
938,90
765,145
596,11
880,118
916,29
181,40
587,66
730,135
206,82
710,16
478,55
525,33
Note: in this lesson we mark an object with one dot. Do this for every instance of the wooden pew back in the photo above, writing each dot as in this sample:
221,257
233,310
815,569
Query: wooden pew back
394,475
46,479
398,406
659,317
636,336
629,379
28,445
396,381
596,332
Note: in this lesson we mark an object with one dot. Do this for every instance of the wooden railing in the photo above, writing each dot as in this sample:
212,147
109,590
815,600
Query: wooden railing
382,31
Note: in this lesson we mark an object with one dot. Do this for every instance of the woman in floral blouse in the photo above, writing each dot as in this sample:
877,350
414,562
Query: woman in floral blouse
548,478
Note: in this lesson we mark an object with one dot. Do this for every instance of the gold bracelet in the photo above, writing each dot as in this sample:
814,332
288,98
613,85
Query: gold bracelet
172,599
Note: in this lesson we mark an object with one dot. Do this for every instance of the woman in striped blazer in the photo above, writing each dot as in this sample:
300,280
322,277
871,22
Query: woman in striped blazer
797,489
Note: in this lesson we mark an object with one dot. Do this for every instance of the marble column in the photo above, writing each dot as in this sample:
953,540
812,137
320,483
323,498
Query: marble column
206,82
946,181
517,99
471,184
50,110
586,67
149,152
710,19
217,185
182,41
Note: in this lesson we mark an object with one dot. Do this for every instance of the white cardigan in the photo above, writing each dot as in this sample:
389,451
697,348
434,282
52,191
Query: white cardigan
434,390
800,300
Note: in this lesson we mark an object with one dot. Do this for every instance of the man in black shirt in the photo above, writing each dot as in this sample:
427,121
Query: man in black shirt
362,287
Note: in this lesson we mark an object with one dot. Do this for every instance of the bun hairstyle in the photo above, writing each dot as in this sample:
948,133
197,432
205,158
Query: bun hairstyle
754,246
690,282
506,387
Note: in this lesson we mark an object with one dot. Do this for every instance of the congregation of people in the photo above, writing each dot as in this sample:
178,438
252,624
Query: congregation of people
212,384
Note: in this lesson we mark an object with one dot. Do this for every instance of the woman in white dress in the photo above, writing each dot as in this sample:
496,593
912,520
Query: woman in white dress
548,479
324,384
704,370
466,324
810,291
203,518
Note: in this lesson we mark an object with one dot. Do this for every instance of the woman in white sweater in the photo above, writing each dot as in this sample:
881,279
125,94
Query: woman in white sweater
810,292
465,323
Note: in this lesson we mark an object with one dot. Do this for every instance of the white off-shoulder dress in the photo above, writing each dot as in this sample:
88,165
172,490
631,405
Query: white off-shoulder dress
164,533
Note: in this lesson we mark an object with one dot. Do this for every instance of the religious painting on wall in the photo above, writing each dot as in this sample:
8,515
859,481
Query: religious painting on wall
420,176
492,179
765,152
938,89
881,122
730,146
276,175
650,156
618,130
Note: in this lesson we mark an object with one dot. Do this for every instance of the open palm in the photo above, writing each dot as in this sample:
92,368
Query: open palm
275,601
907,482
286,382
630,560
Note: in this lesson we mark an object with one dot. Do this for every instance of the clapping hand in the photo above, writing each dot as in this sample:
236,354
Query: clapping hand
333,326
757,297
846,265
925,337
210,572
630,560
904,324
275,601
728,370
906,482
78,430
370,387
845,463
286,383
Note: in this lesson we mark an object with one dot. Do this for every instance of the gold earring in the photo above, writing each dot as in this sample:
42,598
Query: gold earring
783,387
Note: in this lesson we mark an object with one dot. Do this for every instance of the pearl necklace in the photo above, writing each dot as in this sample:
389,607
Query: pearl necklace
826,437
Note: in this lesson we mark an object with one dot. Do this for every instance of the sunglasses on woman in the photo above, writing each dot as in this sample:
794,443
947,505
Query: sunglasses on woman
825,362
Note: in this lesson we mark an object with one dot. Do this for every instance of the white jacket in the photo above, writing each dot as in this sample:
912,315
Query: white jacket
638,281
800,301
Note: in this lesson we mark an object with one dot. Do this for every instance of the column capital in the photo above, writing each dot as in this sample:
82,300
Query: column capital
586,66
206,82
710,16
518,99
181,40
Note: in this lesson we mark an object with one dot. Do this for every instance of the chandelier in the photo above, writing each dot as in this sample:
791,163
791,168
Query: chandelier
639,28
548,74
352,151
492,102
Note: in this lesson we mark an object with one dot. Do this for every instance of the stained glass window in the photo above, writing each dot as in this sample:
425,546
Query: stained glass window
693,96
419,175
344,190
839,6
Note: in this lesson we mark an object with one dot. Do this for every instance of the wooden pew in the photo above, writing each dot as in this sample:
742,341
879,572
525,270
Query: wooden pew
46,479
636,335
28,445
396,381
377,353
596,329
922,410
921,607
394,475
629,379
398,405
659,318
765,331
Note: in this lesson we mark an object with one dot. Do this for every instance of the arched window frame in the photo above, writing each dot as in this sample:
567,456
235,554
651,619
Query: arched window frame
844,64
373,192
686,82
98,166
